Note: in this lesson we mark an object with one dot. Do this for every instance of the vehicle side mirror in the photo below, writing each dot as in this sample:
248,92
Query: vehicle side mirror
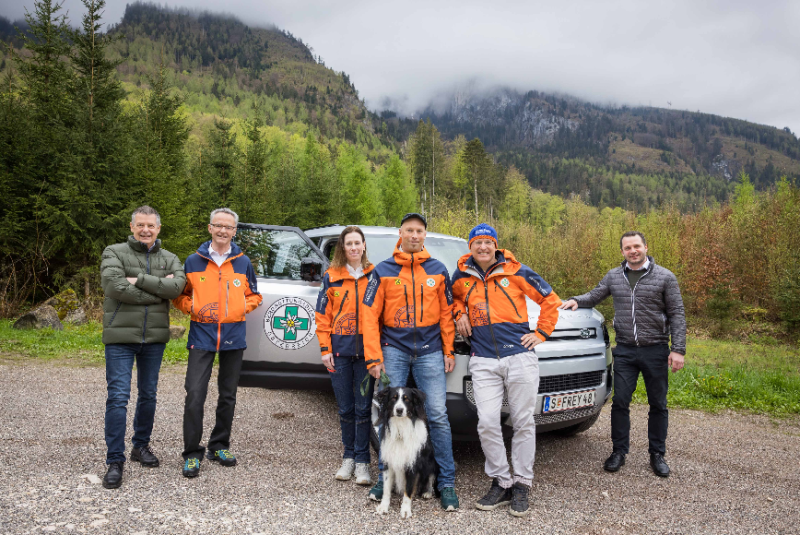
311,269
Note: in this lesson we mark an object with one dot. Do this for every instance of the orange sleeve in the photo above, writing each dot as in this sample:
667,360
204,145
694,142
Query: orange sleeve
446,324
372,310
548,315
459,306
184,301
324,316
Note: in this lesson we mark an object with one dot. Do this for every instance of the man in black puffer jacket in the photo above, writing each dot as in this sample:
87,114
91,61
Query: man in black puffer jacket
139,278
648,311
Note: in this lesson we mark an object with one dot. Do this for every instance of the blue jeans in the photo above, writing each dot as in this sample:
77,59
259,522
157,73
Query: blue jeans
119,367
355,410
428,373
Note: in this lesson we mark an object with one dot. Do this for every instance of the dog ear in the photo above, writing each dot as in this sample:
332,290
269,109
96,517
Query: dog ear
419,403
382,395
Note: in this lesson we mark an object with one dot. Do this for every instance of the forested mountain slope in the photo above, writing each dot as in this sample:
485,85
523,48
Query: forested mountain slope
567,146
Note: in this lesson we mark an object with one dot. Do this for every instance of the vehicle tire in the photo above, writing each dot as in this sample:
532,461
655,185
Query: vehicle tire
577,428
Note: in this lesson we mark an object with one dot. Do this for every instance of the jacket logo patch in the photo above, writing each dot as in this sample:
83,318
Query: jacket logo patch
289,323
466,284
346,325
478,316
237,282
397,282
431,283
208,314
504,283
336,294
202,279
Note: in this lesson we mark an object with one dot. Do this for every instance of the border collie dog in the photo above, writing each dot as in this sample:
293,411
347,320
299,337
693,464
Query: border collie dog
406,448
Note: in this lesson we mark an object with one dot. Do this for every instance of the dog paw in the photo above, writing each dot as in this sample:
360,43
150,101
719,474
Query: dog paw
382,508
427,495
405,511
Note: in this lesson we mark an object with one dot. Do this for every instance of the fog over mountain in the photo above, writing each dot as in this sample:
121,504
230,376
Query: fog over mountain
733,58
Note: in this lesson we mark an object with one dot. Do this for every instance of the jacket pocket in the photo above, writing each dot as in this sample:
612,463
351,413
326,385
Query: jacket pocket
496,286
341,306
227,295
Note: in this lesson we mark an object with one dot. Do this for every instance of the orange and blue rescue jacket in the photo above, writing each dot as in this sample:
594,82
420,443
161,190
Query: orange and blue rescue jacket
408,305
495,301
339,317
218,297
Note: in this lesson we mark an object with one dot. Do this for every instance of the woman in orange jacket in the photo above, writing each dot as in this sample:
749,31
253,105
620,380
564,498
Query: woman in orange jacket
339,329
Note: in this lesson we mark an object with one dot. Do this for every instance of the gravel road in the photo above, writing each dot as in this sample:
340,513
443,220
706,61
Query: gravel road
731,473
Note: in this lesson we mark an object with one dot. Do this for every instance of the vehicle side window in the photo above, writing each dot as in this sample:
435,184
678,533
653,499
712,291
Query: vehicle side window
329,249
275,253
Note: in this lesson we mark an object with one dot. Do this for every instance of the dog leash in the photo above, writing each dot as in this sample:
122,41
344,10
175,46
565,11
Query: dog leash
365,382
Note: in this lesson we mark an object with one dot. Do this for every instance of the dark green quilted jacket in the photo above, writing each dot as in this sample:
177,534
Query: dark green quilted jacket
138,313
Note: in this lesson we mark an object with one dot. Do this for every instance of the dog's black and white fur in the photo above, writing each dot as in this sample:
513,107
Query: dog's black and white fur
406,448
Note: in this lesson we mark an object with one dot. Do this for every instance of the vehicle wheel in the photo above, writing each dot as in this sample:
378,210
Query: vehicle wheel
577,428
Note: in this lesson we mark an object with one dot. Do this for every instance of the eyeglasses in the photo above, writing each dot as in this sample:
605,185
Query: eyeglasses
226,227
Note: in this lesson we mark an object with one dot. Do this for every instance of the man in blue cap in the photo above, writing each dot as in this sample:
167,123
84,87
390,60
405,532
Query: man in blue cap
503,358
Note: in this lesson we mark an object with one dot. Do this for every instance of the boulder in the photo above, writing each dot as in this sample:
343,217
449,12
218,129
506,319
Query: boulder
64,303
176,332
39,318
76,317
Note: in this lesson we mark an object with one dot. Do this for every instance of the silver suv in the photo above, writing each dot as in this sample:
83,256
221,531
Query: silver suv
283,352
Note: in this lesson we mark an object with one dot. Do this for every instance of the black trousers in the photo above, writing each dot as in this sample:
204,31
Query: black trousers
653,363
198,373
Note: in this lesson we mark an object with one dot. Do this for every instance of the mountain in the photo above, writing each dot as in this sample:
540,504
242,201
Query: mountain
530,129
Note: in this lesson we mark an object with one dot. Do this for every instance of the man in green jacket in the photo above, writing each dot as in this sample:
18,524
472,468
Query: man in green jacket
139,279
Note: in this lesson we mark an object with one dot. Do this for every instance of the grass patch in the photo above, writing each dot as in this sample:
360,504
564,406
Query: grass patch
719,374
75,341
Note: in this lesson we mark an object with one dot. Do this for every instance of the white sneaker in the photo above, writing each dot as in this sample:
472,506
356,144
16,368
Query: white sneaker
346,471
362,474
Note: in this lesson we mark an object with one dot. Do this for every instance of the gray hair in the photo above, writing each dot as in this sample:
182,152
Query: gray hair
224,211
145,210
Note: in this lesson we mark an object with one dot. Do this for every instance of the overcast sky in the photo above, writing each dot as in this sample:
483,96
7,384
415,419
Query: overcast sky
733,58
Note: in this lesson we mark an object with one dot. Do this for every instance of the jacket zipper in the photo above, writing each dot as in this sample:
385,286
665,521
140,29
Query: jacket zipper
496,286
466,299
358,345
489,317
227,296
114,315
633,306
144,325
421,304
219,316
341,306
414,297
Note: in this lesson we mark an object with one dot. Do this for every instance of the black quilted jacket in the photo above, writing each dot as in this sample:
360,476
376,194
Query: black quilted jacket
646,315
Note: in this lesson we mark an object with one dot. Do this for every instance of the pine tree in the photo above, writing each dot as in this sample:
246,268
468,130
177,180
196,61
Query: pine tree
398,196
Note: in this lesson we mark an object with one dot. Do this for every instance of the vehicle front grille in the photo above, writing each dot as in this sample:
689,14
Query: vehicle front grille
564,335
563,416
572,381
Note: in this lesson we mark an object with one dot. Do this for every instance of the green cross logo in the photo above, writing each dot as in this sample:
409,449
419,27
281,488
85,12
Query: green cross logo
290,323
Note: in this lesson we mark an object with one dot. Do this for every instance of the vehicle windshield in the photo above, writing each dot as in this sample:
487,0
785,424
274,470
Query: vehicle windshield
447,251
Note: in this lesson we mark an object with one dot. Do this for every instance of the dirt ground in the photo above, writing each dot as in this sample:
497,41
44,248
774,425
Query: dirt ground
731,473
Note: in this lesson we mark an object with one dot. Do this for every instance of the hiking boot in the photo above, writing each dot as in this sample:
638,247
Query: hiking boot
659,465
449,499
519,499
223,457
376,492
346,471
145,456
362,474
496,497
191,468
113,477
614,462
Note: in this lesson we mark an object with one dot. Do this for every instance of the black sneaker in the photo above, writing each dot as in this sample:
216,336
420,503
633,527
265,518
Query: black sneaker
496,497
659,465
223,457
615,461
113,477
145,456
191,467
519,499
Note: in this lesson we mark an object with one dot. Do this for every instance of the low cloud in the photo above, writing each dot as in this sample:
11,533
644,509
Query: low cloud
732,58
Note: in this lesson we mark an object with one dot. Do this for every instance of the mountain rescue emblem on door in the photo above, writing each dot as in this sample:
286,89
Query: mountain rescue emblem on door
289,323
